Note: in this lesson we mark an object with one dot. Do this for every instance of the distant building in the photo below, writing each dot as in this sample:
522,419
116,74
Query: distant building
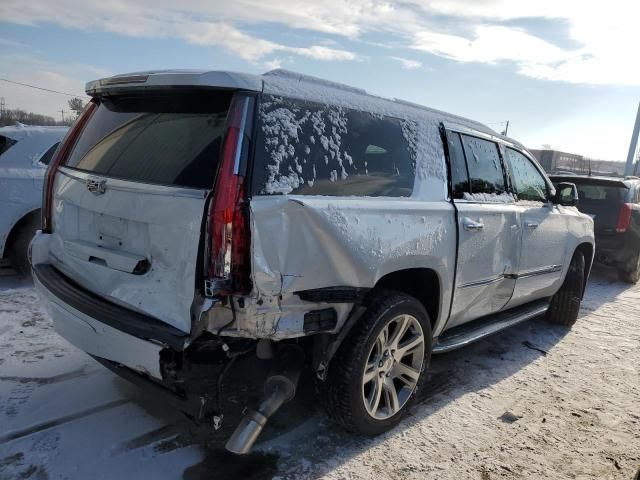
555,161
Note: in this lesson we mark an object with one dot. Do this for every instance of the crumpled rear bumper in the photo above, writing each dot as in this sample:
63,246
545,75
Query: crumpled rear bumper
100,339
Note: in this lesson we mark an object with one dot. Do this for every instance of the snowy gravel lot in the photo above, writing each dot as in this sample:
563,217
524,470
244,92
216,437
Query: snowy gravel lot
536,401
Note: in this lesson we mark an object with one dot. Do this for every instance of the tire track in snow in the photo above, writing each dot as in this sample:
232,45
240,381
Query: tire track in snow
59,421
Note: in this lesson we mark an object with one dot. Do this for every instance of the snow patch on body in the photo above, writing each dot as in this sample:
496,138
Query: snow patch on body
489,197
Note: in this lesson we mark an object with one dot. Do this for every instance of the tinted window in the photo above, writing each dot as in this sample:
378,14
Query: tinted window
170,140
313,149
46,158
483,162
459,174
6,143
601,194
528,183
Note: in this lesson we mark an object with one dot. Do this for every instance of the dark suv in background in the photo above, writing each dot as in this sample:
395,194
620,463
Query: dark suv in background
614,204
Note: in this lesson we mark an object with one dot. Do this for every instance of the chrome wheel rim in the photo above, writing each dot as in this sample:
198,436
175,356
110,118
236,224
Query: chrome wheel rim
393,367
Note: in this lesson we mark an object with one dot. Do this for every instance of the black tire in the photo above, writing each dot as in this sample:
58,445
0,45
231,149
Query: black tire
631,274
343,390
20,244
565,304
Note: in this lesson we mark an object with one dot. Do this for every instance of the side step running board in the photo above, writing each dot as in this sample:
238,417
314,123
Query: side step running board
465,334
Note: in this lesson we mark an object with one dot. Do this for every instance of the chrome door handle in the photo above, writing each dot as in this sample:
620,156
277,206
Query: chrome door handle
472,226
531,224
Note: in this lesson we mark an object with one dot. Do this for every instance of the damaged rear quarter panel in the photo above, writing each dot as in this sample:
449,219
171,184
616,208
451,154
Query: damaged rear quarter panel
305,242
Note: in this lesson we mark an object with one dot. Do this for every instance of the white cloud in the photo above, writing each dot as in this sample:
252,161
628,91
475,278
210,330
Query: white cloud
318,52
161,19
407,63
605,35
272,64
491,44
68,78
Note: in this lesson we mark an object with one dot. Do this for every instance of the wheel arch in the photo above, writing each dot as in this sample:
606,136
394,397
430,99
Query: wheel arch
424,284
15,229
587,249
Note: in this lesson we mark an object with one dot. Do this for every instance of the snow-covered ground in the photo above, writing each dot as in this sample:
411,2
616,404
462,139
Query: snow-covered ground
536,401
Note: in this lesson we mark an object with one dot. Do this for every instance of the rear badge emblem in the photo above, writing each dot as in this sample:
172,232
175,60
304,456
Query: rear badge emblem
96,187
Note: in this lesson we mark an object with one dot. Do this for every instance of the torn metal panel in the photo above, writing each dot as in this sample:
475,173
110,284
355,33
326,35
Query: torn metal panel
302,243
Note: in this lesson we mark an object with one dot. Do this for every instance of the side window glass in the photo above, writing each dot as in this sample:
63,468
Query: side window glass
459,174
46,158
483,162
529,184
306,148
6,143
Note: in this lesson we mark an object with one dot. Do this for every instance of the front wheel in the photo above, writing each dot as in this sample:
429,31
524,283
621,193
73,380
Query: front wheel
565,304
379,369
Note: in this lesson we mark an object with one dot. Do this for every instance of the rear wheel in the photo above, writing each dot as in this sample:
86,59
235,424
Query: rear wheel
379,369
20,243
631,274
565,304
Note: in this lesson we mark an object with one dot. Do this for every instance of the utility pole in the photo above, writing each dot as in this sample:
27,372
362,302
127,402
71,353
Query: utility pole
62,113
2,107
633,146
506,129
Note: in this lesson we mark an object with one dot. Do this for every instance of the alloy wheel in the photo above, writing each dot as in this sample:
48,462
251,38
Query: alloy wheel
393,367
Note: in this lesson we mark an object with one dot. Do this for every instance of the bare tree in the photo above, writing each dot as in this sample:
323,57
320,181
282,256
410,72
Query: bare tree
76,105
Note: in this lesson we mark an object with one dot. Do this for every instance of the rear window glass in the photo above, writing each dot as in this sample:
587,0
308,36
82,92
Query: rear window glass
6,143
314,149
168,140
601,194
485,167
46,158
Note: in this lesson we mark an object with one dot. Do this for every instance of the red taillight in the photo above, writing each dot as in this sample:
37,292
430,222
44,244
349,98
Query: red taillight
624,218
62,153
228,222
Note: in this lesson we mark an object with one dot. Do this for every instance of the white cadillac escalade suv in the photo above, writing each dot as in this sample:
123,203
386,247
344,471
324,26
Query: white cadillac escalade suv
192,217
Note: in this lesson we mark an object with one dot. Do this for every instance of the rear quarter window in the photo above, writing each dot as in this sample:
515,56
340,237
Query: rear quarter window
307,148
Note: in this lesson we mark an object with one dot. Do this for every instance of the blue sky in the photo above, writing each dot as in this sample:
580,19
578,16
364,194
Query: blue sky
560,72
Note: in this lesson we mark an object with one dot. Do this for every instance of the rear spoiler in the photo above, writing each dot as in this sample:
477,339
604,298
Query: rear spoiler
173,79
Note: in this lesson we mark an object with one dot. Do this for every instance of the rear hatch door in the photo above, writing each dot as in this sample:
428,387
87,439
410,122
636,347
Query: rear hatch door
601,198
128,205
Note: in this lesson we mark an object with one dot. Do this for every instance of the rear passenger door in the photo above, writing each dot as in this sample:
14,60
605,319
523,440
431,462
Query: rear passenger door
488,230
544,232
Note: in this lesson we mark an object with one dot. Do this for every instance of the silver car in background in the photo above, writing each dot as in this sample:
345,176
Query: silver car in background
25,152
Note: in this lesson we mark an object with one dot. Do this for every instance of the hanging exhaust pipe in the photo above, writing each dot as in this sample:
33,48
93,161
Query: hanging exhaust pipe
279,387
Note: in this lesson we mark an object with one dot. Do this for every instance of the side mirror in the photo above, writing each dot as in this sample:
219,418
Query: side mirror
566,194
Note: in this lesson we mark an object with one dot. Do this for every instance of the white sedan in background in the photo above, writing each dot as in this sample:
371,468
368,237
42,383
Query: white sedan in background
25,152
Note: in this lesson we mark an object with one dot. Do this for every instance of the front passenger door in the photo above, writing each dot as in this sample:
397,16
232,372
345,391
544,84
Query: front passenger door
544,232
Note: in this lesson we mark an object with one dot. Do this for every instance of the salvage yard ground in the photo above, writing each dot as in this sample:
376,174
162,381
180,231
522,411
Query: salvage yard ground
537,401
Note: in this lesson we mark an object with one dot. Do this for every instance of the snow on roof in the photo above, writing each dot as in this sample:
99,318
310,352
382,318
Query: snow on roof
285,83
